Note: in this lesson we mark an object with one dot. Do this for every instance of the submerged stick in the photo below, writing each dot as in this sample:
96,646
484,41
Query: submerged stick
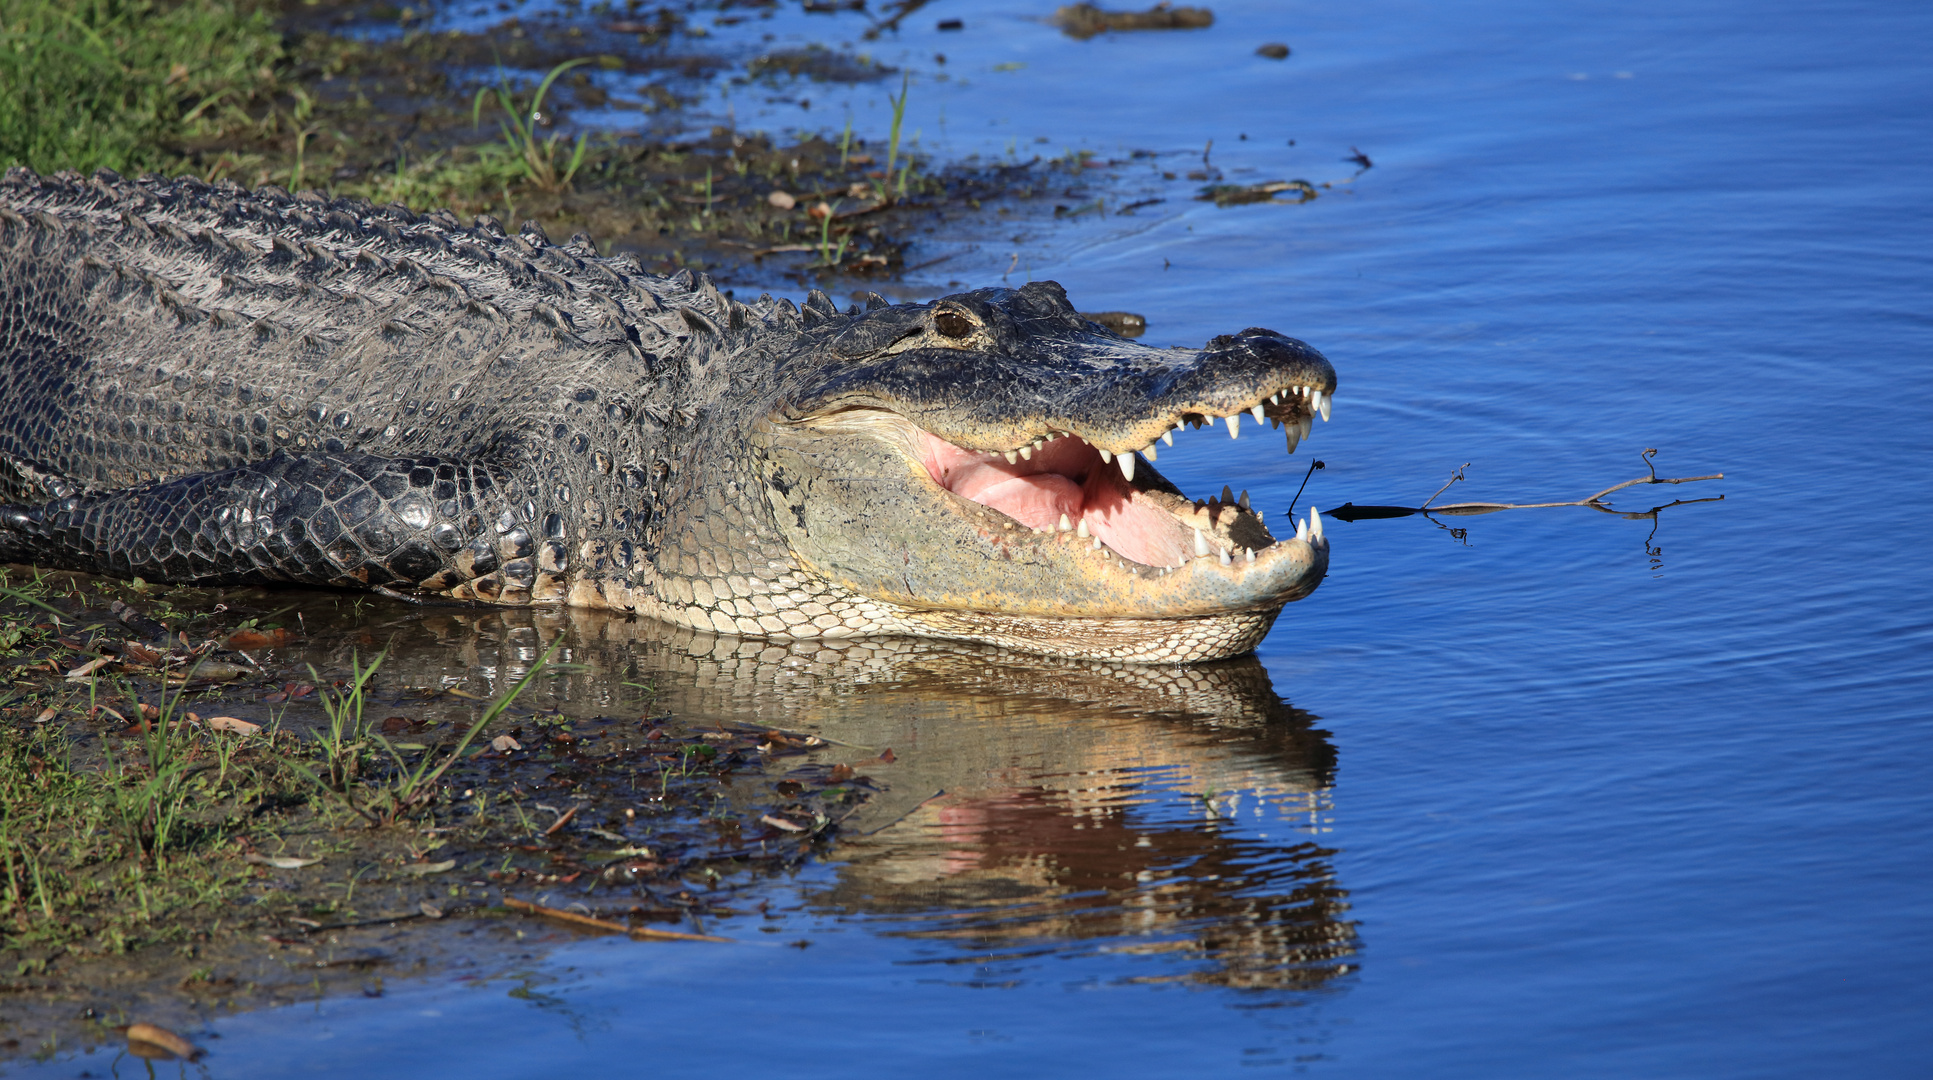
589,922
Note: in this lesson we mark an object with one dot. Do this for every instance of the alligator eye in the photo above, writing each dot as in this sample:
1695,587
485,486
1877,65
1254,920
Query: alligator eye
952,324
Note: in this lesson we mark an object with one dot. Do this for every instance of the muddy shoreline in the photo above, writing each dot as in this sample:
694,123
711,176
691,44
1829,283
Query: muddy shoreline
390,113
192,831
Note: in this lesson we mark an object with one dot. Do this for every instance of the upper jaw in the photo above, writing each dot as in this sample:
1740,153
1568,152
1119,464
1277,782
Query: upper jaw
1029,383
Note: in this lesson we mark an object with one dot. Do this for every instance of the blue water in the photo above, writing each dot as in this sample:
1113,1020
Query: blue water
1609,797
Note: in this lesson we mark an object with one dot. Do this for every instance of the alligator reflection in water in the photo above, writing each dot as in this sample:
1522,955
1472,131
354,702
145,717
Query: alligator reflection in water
1163,812
1032,806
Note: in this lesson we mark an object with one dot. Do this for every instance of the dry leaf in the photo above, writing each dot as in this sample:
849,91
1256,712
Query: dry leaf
90,667
430,909
280,862
141,654
781,823
46,714
784,200
259,639
161,1038
505,744
426,868
230,723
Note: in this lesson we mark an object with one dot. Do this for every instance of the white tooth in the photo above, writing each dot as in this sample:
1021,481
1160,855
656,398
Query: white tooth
1307,424
1012,457
1065,525
1148,451
1326,403
1243,501
1106,457
1258,515
1234,425
1303,390
1097,543
1301,530
1315,523
1126,461
1225,559
1027,451
1251,554
1275,398
1081,529
1255,410
1315,401
1295,436
1201,544
1228,494
1168,437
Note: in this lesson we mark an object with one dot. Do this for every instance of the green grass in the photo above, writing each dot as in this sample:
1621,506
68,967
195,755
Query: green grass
385,800
126,84
538,157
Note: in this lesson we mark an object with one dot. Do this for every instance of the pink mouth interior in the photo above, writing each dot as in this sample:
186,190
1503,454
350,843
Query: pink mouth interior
1067,477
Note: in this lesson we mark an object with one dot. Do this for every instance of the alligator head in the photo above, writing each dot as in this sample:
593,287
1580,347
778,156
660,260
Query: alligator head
982,466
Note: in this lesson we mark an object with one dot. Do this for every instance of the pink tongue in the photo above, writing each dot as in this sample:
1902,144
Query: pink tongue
1035,501
1061,478
1033,492
1130,526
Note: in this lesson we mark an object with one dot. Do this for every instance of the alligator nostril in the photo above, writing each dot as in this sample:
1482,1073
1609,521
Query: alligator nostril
952,324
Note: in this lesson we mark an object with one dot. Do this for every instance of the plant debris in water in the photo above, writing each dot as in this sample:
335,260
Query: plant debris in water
185,791
1086,20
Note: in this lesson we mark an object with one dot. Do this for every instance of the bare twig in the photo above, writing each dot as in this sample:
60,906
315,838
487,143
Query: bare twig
1313,466
891,22
590,923
1352,512
1458,475
563,819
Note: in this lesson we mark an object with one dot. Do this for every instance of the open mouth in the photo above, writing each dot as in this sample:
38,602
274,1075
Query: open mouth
1059,482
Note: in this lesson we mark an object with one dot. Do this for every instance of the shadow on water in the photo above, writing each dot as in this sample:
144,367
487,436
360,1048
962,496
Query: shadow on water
1023,806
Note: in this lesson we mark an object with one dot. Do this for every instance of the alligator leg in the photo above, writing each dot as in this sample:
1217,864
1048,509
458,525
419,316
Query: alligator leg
340,519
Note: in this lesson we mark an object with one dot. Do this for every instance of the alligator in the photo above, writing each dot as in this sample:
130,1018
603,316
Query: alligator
210,385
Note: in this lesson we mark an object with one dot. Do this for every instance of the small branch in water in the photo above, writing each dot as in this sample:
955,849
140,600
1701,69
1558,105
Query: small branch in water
1318,464
891,22
1352,512
1458,475
641,933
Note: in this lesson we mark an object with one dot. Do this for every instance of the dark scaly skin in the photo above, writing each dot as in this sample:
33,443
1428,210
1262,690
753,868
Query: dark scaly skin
211,386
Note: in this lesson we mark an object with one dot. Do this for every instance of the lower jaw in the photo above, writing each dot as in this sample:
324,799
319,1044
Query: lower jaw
1189,640
1181,639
